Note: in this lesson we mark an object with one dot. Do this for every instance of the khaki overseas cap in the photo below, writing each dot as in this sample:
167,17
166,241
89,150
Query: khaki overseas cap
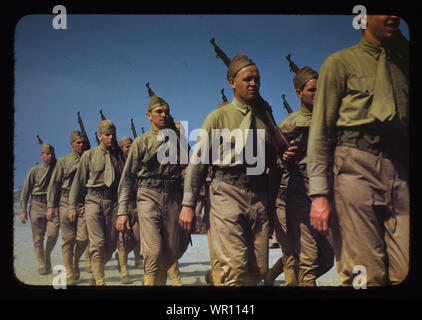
106,126
47,148
155,102
239,62
303,76
76,134
124,141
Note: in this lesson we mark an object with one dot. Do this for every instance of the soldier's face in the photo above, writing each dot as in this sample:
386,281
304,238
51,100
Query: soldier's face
47,157
382,28
78,145
107,139
246,84
159,117
126,149
307,94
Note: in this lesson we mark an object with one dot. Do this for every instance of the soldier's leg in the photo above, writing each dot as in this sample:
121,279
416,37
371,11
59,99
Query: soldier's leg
139,263
122,253
68,231
38,227
53,228
228,223
95,221
82,240
150,224
359,232
397,228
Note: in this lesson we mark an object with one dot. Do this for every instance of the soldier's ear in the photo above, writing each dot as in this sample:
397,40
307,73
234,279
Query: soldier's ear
148,115
232,83
299,93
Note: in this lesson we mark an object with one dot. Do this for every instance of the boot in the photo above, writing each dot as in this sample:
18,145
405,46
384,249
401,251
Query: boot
216,277
273,273
116,256
39,252
87,260
49,246
208,278
122,261
80,247
290,276
68,264
174,275
151,280
98,272
162,278
76,270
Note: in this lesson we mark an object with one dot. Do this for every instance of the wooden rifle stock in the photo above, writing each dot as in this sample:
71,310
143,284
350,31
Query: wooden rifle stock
81,125
133,129
293,67
286,104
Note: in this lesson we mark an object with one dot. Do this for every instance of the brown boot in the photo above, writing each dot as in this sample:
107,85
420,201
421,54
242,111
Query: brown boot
174,275
87,260
39,252
122,261
98,272
68,264
273,273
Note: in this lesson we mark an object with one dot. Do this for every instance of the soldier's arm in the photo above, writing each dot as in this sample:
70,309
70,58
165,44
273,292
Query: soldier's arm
26,192
53,190
79,182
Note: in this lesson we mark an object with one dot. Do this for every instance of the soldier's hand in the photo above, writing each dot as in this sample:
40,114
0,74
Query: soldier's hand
320,214
50,214
122,222
187,219
23,217
290,155
72,217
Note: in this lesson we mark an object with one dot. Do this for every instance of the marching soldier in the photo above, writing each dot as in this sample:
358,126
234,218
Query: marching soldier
36,185
159,197
312,250
360,124
99,172
238,214
73,228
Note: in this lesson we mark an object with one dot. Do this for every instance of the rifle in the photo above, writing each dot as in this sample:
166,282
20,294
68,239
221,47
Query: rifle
286,105
142,128
224,97
277,138
81,125
39,140
102,115
96,138
293,67
133,129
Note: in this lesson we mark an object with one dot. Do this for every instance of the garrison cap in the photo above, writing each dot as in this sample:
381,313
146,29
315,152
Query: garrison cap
76,134
124,141
47,148
239,62
106,126
303,76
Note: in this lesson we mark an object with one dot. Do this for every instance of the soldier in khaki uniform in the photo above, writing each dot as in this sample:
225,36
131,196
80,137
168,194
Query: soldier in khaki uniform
129,239
360,120
36,185
73,228
99,173
158,199
312,250
238,214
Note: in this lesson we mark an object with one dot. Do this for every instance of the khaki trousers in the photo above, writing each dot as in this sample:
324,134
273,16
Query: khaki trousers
101,216
239,229
314,252
135,243
74,235
163,241
40,227
371,197
284,238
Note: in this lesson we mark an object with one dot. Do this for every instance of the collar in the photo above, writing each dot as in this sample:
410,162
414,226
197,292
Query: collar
76,156
372,48
244,108
305,112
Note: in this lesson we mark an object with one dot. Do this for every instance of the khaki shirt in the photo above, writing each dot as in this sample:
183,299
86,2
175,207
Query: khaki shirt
36,183
296,127
229,116
343,99
142,163
62,177
90,174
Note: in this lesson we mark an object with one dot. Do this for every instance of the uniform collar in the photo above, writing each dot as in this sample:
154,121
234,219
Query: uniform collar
305,112
244,108
76,156
372,48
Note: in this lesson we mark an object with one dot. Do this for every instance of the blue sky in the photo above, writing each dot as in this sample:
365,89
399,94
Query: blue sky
103,62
